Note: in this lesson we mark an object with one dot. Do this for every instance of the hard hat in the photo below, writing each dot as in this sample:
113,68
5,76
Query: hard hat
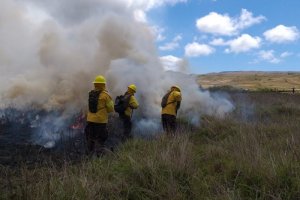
133,87
100,79
177,87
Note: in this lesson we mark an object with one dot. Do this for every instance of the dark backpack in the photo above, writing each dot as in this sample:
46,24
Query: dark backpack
121,103
93,100
164,101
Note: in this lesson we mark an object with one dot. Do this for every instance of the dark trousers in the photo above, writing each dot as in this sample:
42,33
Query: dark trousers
96,134
127,126
168,123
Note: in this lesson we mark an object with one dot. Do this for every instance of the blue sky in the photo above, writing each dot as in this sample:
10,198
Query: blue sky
230,35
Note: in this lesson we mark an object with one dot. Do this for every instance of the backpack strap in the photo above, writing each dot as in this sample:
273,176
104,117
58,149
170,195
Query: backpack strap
128,95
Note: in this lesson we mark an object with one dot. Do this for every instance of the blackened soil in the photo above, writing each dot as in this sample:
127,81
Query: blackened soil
17,147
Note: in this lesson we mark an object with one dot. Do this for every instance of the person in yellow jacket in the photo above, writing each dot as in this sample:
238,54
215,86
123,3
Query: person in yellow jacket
100,104
125,116
170,105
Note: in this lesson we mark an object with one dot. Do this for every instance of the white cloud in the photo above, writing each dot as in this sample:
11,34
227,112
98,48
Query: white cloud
282,34
218,42
158,33
195,49
219,24
268,56
173,63
216,24
171,45
243,43
286,54
246,19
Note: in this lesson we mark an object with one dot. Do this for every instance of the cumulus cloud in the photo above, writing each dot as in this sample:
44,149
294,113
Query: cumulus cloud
216,24
174,63
171,45
243,43
268,56
195,49
223,24
246,19
271,57
282,34
218,42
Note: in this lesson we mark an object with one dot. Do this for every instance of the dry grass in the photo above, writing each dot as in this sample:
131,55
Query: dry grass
251,80
251,154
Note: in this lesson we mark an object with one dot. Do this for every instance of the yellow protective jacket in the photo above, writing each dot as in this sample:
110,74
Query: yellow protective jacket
133,104
105,106
173,99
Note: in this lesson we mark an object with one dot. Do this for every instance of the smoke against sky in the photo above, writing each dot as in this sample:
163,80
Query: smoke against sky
50,62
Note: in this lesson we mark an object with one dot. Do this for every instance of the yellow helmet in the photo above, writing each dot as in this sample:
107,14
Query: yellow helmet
133,87
100,79
177,87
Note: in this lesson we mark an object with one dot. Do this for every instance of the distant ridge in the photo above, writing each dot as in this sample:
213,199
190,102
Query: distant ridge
252,72
252,80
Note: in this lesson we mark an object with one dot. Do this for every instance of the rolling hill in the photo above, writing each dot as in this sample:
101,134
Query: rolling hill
252,80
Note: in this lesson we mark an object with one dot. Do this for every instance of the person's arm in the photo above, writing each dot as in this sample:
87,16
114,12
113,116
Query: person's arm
177,96
109,105
133,103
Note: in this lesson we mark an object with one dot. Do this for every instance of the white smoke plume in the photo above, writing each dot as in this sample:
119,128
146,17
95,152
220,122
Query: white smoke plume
51,50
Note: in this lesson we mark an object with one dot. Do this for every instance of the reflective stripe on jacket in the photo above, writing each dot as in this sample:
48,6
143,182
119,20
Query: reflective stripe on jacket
105,106
173,99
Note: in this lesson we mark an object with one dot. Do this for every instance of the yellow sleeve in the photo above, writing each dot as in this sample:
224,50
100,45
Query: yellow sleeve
133,103
109,104
177,96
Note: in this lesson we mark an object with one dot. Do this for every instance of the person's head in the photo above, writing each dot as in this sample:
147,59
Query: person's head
132,89
99,82
175,88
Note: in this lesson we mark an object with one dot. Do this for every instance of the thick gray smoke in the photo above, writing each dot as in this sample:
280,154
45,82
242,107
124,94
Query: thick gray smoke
51,50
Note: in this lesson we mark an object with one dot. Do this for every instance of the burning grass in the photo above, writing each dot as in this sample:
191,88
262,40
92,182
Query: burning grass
253,153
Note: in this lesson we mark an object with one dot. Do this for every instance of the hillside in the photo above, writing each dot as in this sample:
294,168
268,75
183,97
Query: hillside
252,80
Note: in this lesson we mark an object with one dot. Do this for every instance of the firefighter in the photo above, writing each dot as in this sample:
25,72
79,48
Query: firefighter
126,112
170,105
100,104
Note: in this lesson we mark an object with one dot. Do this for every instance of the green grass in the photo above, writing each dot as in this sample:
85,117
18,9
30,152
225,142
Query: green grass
252,157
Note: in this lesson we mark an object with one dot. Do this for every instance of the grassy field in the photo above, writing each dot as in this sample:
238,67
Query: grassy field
253,153
252,80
